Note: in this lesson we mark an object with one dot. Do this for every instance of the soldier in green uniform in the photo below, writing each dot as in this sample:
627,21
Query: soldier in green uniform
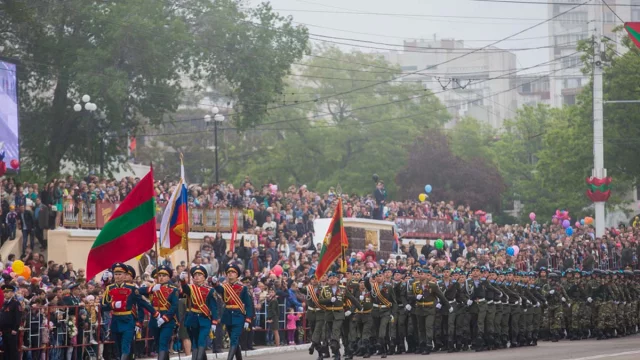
400,328
463,319
556,297
577,298
440,321
536,308
318,336
412,321
362,322
567,277
505,310
528,303
384,306
478,308
542,283
333,296
490,293
586,306
451,289
349,309
515,310
424,295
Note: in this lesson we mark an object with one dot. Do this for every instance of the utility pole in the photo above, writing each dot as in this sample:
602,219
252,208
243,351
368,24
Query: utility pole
598,117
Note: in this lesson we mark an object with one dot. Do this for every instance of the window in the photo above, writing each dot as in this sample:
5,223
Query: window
569,100
409,68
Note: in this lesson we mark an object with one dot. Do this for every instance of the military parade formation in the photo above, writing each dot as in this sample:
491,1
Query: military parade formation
389,312
424,311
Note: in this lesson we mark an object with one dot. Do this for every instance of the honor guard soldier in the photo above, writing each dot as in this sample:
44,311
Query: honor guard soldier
121,299
362,323
10,319
333,297
238,309
425,295
400,326
314,309
202,310
384,306
164,298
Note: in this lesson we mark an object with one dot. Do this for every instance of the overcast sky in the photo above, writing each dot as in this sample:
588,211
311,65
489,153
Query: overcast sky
473,22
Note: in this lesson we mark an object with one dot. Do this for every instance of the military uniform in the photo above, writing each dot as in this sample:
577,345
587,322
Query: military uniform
424,296
201,317
362,323
10,318
126,304
315,315
398,330
554,294
334,299
384,306
477,311
164,298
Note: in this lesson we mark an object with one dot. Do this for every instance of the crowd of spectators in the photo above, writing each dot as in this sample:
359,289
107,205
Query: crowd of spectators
281,254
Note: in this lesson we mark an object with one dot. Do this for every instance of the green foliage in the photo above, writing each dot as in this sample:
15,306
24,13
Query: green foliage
471,139
132,58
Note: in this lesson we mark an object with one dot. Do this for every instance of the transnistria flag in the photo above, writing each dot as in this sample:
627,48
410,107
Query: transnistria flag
335,244
633,29
174,227
130,231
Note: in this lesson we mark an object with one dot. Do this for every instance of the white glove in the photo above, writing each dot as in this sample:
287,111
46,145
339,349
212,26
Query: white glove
213,328
214,280
347,313
160,321
546,302
419,296
438,306
183,276
624,303
569,304
537,304
589,299
156,287
469,302
138,329
361,297
391,319
528,302
450,309
118,305
552,292
563,299
333,299
246,325
300,285
520,302
106,276
300,309
408,307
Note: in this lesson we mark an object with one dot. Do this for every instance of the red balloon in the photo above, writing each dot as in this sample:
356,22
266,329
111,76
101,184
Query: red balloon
3,168
15,164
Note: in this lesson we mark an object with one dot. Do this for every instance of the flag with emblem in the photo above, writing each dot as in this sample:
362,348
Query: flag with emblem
130,231
335,244
174,227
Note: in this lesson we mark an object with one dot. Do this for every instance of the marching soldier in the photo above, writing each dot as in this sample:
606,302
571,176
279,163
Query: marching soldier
384,305
400,326
362,322
424,295
122,299
333,297
555,296
238,311
202,311
478,308
164,298
451,288
315,312
490,294
412,322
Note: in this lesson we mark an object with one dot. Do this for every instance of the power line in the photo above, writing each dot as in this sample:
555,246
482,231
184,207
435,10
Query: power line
614,13
545,3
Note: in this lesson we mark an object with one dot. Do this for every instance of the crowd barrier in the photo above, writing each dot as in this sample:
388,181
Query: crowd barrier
78,332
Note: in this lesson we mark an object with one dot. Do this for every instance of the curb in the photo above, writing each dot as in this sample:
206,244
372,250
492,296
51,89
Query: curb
257,352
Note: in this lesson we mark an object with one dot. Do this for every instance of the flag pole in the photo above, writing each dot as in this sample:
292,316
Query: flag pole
155,224
185,234
343,263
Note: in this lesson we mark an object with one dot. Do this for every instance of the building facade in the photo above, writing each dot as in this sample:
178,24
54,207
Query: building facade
479,84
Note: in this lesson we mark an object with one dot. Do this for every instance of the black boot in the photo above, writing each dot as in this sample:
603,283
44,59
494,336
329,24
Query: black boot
555,336
383,350
366,348
401,347
232,352
479,345
318,348
238,352
325,351
335,349
534,338
311,348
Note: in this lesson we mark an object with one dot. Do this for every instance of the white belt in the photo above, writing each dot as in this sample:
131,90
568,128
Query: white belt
380,306
514,304
490,302
310,308
480,300
452,302
505,303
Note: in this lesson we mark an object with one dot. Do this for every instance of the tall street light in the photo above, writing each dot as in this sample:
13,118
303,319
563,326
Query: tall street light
216,119
87,105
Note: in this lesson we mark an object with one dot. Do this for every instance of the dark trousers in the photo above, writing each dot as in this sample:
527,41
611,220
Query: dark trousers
9,345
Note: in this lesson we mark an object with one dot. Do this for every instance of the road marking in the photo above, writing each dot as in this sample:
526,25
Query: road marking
606,355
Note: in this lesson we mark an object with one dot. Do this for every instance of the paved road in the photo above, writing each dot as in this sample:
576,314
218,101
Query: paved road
615,349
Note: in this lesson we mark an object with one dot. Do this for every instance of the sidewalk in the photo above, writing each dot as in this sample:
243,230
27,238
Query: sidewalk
256,352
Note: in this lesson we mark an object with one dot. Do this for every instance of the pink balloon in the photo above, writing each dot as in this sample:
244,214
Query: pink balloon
558,213
516,250
577,224
532,216
277,270
555,220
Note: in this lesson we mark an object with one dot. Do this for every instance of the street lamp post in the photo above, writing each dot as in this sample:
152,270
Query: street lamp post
216,119
87,105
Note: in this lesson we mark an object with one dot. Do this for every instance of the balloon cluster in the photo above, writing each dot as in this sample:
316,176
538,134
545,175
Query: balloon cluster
17,269
513,250
427,189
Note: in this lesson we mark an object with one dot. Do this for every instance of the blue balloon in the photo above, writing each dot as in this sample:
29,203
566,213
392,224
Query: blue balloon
569,231
510,251
428,189
581,221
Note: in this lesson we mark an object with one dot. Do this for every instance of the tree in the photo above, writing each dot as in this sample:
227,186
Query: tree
430,160
132,57
471,139
336,131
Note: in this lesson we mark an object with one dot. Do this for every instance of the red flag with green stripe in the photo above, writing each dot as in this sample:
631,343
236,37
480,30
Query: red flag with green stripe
633,29
335,244
130,231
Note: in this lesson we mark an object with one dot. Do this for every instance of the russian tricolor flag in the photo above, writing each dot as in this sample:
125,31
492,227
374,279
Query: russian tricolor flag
174,227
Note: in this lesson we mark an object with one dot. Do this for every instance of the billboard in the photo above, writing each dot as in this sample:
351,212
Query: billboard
9,134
